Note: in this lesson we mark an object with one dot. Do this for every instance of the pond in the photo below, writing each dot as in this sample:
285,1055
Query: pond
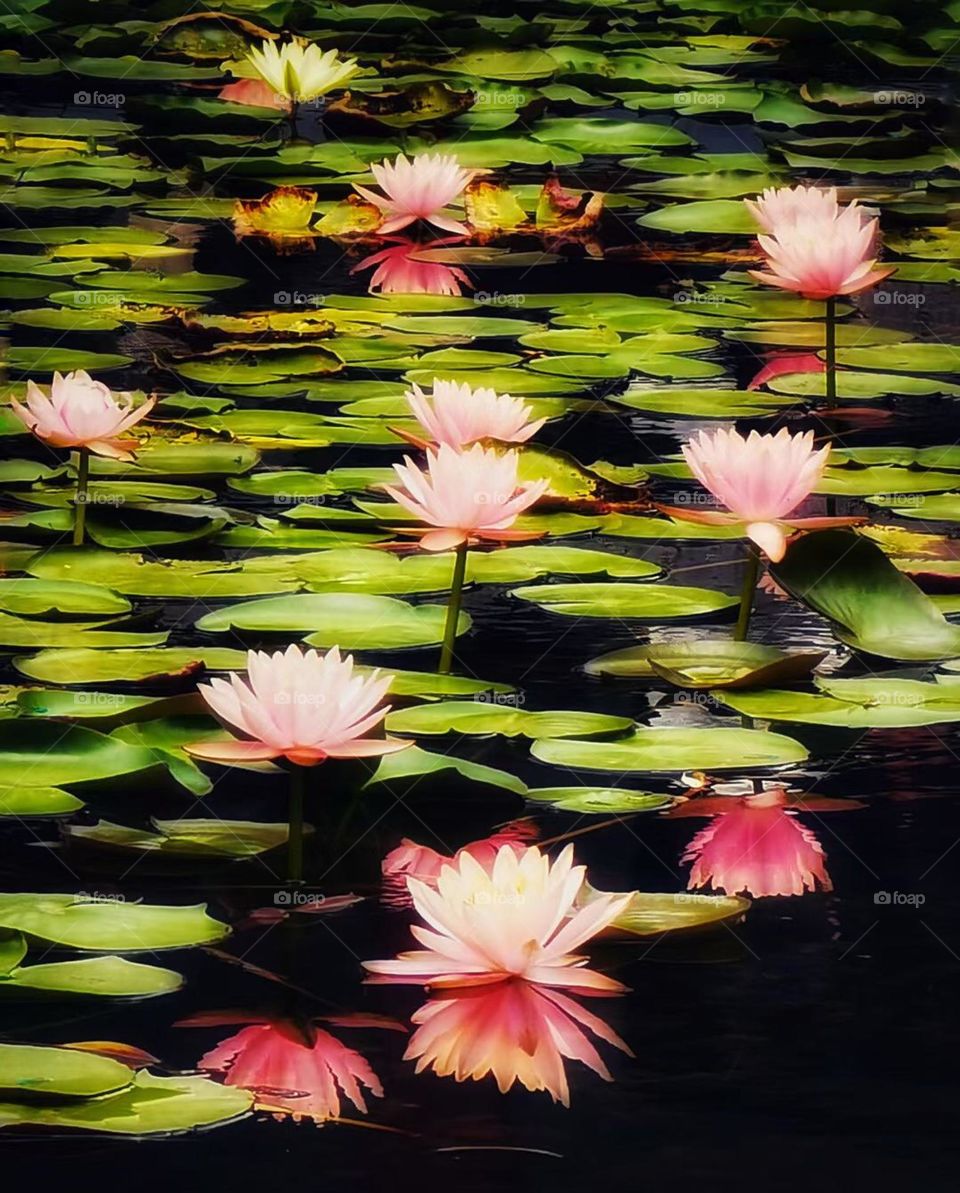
679,612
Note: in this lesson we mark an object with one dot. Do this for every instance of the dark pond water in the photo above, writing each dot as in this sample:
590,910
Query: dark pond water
811,1044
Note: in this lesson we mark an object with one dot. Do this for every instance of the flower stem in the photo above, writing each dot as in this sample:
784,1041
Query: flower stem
453,610
750,577
80,498
295,838
830,327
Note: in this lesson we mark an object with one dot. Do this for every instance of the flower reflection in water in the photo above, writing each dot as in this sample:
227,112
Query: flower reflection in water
755,845
397,271
295,1069
516,1031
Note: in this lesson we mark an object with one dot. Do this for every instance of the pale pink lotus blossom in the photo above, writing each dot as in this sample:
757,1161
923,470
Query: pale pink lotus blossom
410,860
515,919
398,271
465,495
418,188
760,479
779,205
821,257
298,705
254,93
83,413
515,1031
459,416
756,846
294,1070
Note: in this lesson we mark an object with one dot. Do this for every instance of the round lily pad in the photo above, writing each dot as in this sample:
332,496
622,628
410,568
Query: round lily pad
671,749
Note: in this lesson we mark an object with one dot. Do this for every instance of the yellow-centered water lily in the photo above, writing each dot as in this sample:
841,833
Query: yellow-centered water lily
301,71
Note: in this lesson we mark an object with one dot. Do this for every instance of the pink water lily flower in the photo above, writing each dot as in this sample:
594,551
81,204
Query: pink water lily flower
516,1032
459,416
398,271
821,257
465,495
756,846
515,919
779,205
418,188
294,1070
298,705
760,479
83,413
410,860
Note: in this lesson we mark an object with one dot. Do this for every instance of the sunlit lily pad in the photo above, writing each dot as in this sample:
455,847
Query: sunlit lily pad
415,763
653,914
33,1071
152,1106
871,703
103,925
110,977
670,749
708,663
479,717
609,800
354,621
25,803
643,602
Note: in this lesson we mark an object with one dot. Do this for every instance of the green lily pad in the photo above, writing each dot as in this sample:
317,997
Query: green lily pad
99,925
151,1106
47,754
711,663
38,598
609,800
35,1071
353,621
25,803
653,914
872,606
82,666
643,602
416,763
875,703
479,717
185,838
102,977
670,749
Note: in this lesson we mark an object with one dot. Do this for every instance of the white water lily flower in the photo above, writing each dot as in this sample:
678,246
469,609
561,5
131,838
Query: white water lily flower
300,71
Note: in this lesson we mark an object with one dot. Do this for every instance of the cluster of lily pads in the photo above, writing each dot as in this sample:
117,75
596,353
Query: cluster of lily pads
248,490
